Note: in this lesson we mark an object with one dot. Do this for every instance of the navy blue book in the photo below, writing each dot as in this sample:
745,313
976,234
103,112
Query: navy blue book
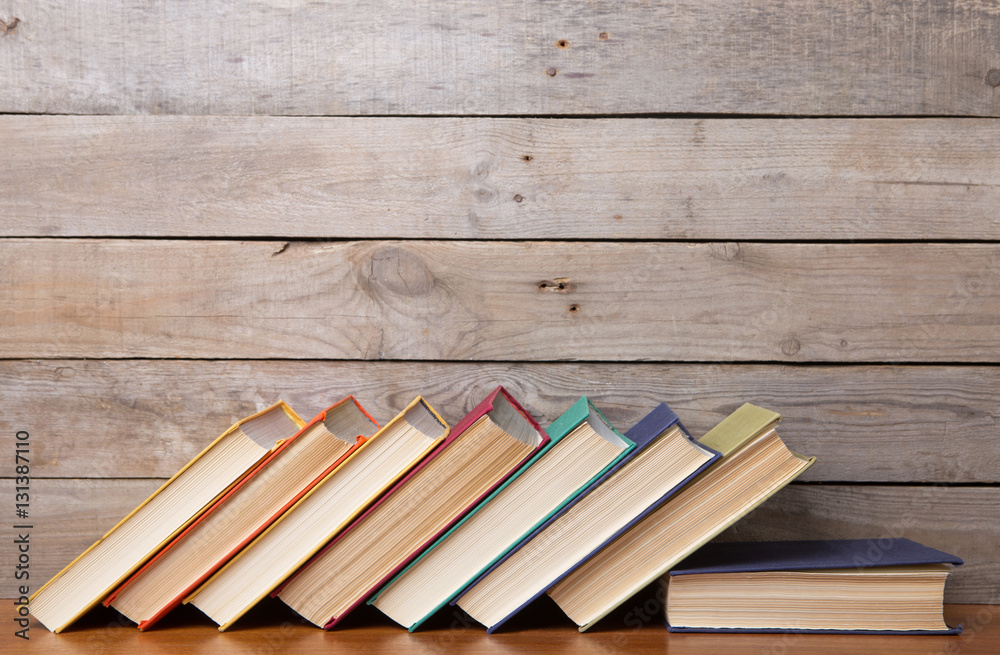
664,460
876,586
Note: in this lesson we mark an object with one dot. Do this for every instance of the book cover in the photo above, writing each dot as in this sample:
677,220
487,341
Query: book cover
739,428
361,509
295,418
360,439
642,434
756,556
750,557
566,423
478,412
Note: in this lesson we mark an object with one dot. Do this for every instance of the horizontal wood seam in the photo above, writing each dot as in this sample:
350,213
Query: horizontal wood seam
570,240
519,362
564,116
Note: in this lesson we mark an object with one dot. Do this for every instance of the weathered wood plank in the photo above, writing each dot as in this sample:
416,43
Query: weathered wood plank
499,178
68,515
515,57
961,521
127,418
501,301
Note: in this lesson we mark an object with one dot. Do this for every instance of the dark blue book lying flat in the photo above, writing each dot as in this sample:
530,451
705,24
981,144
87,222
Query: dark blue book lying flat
873,586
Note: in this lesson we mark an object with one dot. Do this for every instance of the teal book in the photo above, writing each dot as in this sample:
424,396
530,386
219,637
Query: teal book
583,447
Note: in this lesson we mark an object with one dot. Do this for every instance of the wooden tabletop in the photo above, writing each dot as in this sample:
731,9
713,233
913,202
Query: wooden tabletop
273,628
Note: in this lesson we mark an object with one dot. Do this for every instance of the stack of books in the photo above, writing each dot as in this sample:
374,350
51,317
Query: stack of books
488,515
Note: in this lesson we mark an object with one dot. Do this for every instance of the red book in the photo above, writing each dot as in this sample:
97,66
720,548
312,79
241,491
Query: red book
243,513
481,452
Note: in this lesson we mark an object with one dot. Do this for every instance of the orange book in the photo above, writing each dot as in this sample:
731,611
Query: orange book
244,512
166,513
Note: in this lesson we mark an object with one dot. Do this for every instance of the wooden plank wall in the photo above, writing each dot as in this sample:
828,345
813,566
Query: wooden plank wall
203,209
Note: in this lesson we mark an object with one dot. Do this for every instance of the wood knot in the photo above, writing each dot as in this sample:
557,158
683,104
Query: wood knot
484,194
562,43
726,251
483,168
64,372
992,77
518,198
790,346
556,285
603,36
400,271
574,309
975,284
6,27
551,72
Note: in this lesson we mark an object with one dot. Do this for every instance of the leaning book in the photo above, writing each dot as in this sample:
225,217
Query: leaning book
755,465
88,579
583,446
664,460
485,448
331,505
243,513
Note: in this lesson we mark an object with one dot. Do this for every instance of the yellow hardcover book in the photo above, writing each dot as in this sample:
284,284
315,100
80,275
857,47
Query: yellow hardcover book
96,572
316,518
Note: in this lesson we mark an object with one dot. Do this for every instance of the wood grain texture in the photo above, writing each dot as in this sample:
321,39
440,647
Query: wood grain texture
272,627
500,301
514,57
960,521
259,143
69,515
499,178
121,418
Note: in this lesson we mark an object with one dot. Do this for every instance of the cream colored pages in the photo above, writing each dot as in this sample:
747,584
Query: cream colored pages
698,512
412,515
309,524
243,512
888,598
571,462
646,478
96,574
